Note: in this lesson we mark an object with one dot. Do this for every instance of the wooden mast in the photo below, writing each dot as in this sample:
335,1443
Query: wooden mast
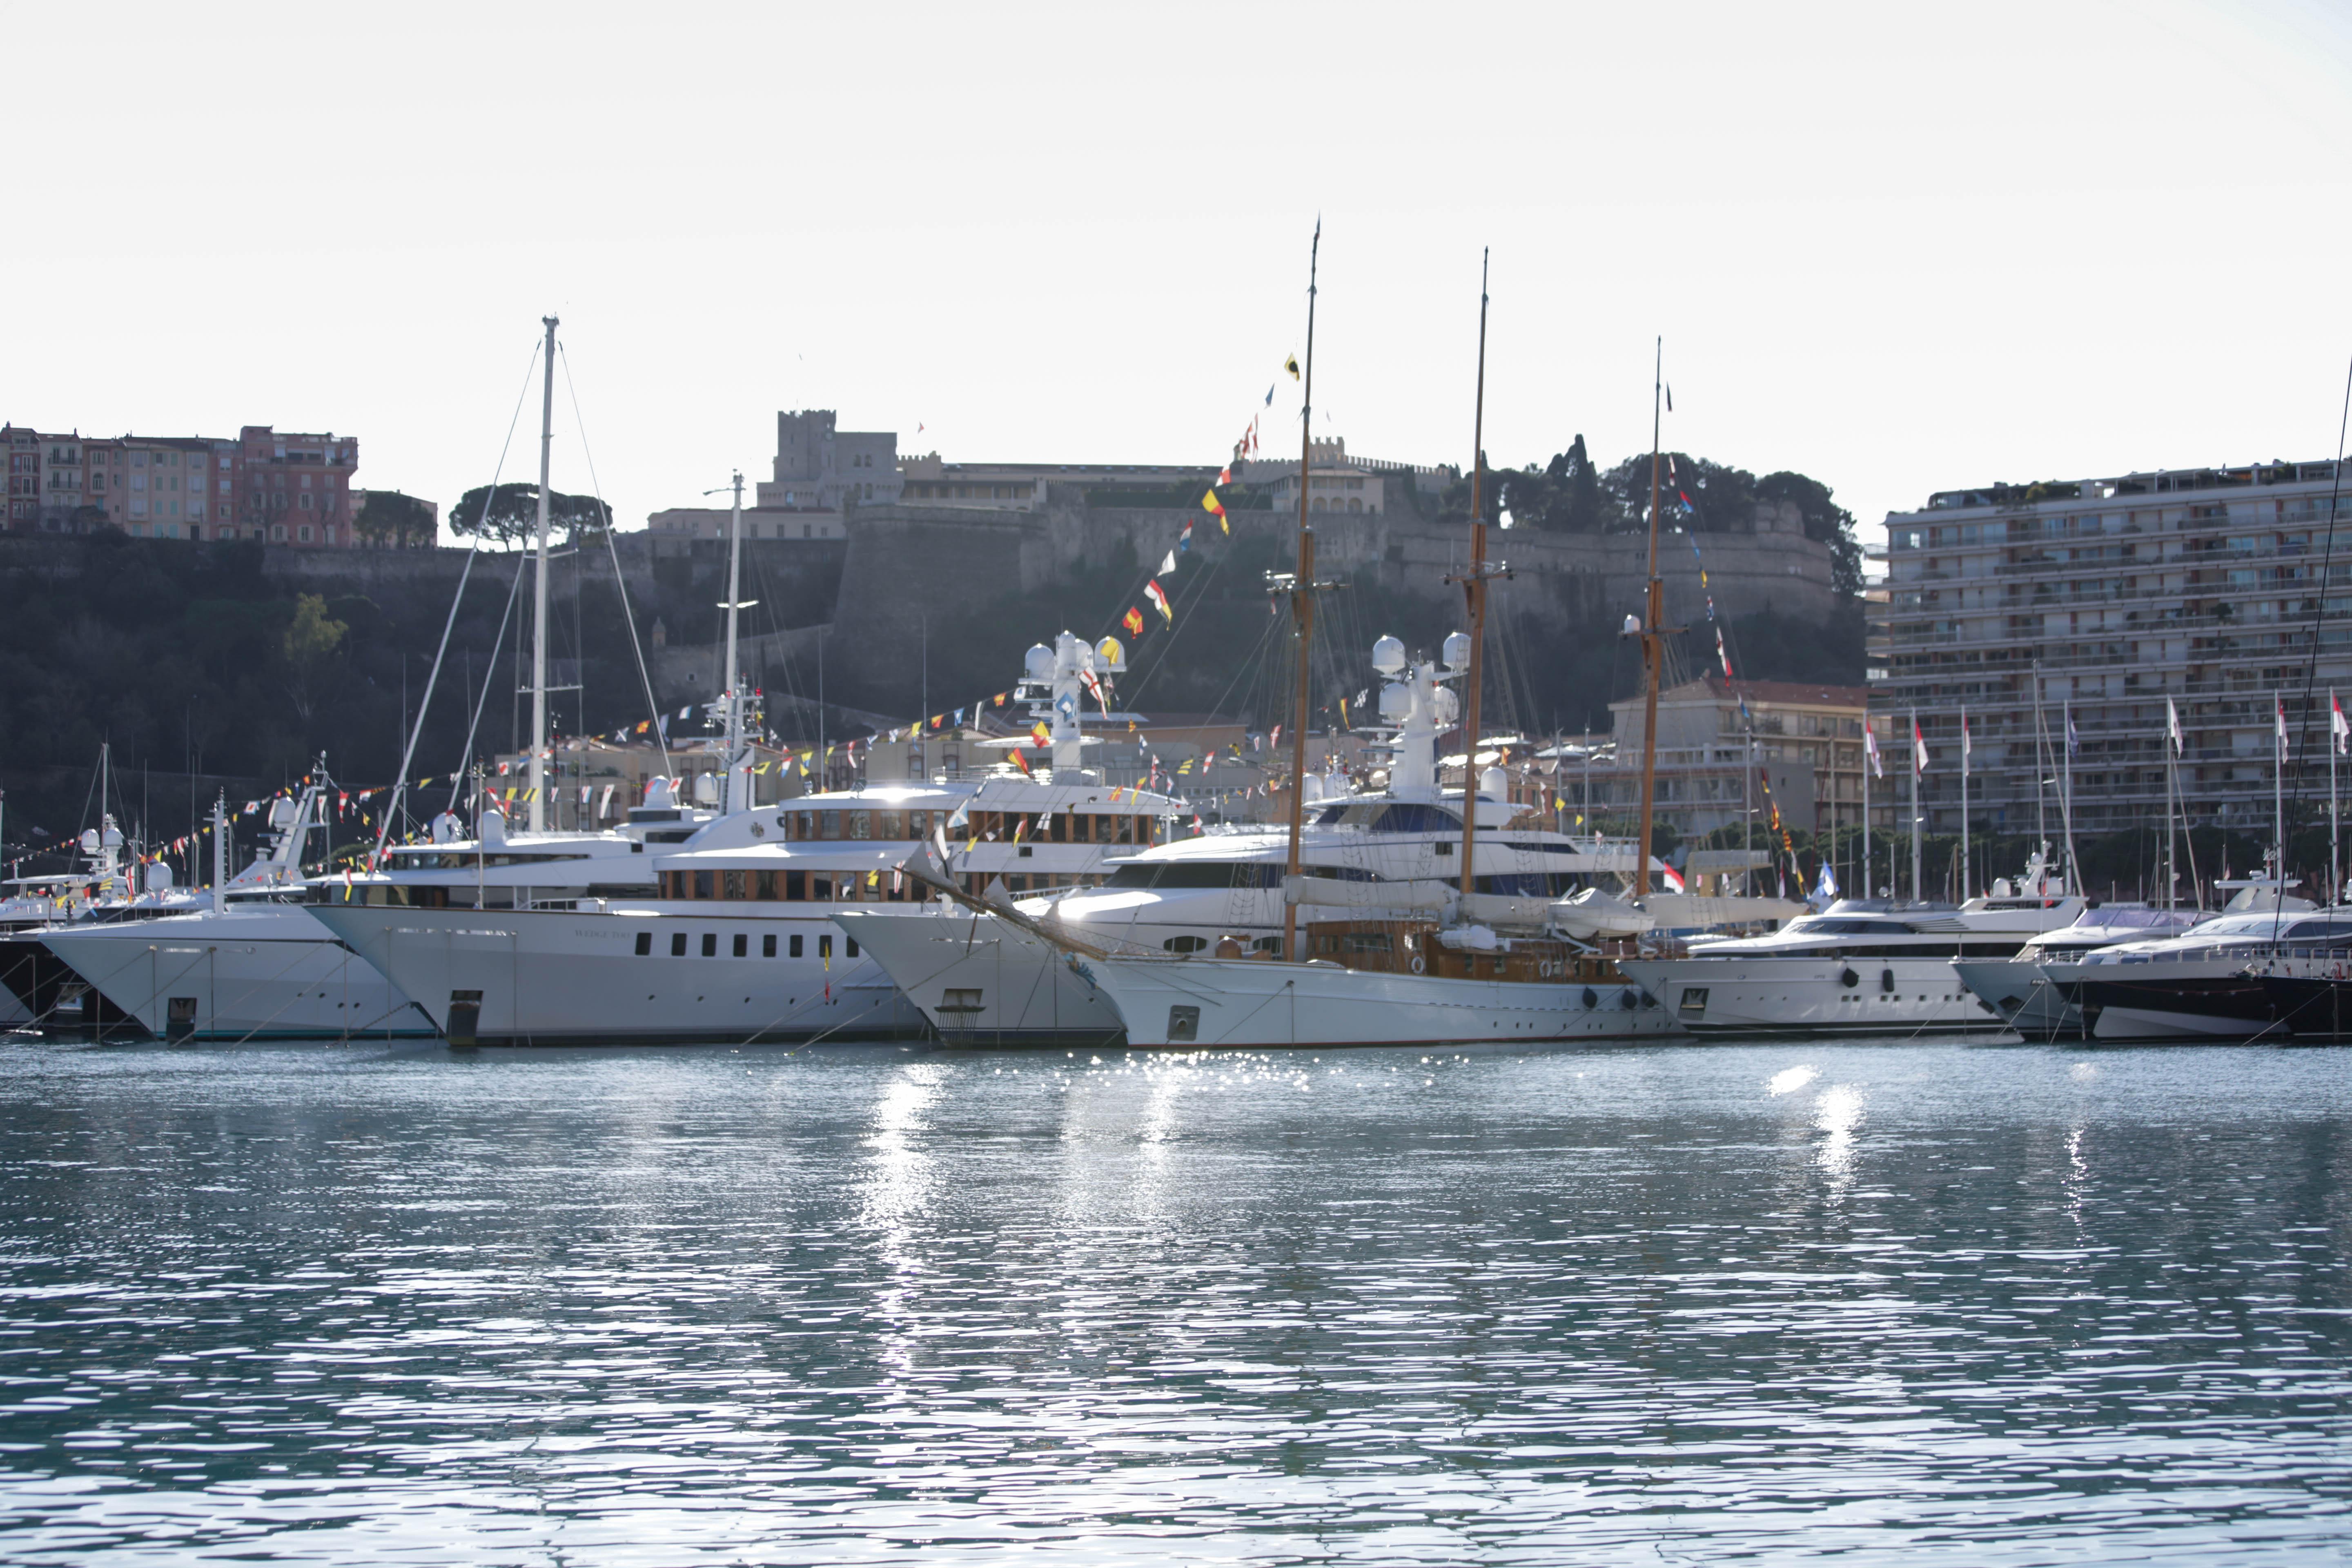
1474,586
1302,612
1652,647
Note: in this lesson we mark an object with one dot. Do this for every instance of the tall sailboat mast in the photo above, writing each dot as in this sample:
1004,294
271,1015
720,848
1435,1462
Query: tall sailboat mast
1653,644
1302,606
734,683
539,593
1473,585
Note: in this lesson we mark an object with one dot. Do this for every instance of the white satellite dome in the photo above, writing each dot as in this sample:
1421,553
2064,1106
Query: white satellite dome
1495,783
1310,789
1396,701
88,840
706,789
494,826
159,877
282,813
1448,706
447,829
1037,664
1457,651
1388,656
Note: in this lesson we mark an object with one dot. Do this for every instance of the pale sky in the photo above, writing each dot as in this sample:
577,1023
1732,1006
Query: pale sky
1900,248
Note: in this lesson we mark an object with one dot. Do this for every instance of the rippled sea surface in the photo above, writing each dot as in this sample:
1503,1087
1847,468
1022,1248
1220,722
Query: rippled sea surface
1685,1305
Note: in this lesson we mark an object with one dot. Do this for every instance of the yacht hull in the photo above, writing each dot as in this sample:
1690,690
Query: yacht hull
2023,996
979,981
1227,1003
564,977
1813,995
268,974
51,996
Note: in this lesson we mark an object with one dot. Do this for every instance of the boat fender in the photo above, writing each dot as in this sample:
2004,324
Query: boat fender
1629,999
1849,979
1592,999
1886,980
1417,964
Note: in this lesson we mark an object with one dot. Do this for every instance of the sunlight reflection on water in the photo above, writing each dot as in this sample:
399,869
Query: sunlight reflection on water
1383,1306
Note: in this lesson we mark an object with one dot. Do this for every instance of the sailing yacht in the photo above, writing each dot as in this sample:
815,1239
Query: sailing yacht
733,938
1465,965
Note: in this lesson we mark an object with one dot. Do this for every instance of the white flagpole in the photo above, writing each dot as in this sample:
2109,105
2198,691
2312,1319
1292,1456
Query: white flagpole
2278,786
1868,743
1968,879
2334,860
1917,894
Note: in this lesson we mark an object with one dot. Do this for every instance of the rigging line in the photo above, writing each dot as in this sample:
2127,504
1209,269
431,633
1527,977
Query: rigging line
1167,645
620,583
457,779
2319,607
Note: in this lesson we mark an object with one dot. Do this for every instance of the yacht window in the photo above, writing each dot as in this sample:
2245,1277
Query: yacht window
702,884
742,945
644,944
795,888
918,824
824,946
889,825
1135,876
732,882
1414,817
677,944
768,945
852,949
828,823
1329,816
861,825
710,945
1185,943
765,885
796,946
821,890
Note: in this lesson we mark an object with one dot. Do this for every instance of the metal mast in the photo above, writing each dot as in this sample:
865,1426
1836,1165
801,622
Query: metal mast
734,687
1652,646
1473,585
1302,607
539,596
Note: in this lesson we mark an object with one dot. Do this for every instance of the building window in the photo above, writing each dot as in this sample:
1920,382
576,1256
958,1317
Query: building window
305,533
277,534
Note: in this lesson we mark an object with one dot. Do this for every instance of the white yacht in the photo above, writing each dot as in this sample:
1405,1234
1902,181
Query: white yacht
2207,984
35,989
261,966
2014,986
732,938
1184,943
1860,966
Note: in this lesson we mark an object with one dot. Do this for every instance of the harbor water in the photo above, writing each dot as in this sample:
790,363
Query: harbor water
1869,1302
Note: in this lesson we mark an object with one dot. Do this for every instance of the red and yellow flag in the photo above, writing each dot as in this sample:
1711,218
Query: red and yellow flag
1215,508
1019,760
1159,598
1133,621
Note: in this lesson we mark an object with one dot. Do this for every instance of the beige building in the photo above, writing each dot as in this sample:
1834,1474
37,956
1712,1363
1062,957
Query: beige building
1797,746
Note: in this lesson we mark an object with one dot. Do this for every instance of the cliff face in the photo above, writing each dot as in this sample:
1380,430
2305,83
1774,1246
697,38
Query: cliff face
177,653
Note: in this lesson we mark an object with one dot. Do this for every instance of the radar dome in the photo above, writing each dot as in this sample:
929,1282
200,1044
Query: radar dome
1495,783
1448,706
494,826
1396,701
659,795
1037,664
447,828
1110,658
1457,651
88,840
706,789
159,877
1311,789
282,811
1388,656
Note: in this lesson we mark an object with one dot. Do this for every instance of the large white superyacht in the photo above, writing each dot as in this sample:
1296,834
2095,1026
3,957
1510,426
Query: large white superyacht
733,939
261,966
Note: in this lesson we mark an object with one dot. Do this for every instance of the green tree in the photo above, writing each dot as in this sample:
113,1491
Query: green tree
310,644
390,517
511,516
